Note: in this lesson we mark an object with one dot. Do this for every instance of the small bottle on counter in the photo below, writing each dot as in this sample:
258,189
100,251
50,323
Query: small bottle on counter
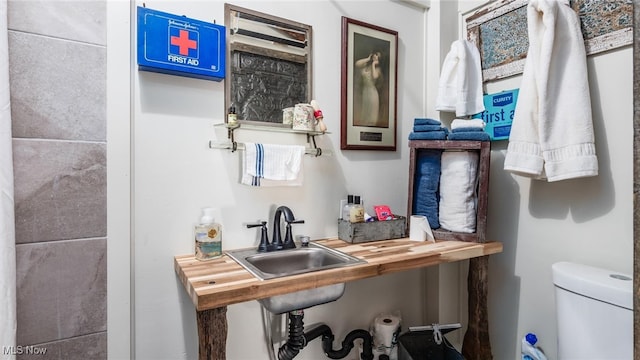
346,213
208,236
232,116
356,211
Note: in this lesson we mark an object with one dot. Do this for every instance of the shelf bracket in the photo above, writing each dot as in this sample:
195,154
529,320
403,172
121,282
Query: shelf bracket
315,147
230,136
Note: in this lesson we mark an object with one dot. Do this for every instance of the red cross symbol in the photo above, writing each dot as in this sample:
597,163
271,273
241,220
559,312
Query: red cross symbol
183,42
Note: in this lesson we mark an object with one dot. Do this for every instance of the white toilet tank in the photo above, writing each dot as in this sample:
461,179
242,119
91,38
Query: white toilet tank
594,309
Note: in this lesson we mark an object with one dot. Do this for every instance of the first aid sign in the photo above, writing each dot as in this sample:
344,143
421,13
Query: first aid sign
178,45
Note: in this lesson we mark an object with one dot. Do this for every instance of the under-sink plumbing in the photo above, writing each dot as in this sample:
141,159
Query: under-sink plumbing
298,339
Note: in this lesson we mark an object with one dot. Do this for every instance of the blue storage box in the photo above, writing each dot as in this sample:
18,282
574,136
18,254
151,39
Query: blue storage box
178,45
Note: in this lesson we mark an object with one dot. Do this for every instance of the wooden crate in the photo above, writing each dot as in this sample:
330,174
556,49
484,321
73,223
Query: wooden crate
372,231
484,149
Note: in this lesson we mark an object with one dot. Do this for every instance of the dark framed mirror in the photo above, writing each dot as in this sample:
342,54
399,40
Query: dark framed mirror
268,65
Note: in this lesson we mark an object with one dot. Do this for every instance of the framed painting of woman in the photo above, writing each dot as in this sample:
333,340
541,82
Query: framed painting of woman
369,91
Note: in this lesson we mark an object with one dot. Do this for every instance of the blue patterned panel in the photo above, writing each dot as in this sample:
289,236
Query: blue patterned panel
600,17
504,39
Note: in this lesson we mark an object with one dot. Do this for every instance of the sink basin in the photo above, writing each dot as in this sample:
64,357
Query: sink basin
288,262
303,299
269,265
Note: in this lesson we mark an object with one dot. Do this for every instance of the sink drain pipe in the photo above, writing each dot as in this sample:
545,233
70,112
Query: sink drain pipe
298,339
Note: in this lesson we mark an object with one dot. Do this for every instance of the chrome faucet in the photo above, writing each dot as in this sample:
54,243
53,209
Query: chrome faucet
276,239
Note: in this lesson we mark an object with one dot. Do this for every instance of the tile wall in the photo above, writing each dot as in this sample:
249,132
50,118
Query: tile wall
57,61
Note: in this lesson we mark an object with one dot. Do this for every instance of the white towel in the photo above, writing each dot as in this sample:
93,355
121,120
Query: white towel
272,165
458,197
460,85
552,132
464,123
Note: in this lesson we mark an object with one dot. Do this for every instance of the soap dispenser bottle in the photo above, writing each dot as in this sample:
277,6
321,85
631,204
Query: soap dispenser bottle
208,236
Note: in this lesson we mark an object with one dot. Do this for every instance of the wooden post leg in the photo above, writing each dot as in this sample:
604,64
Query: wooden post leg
476,345
212,334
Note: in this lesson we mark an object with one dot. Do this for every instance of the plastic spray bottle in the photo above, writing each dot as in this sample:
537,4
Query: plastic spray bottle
529,349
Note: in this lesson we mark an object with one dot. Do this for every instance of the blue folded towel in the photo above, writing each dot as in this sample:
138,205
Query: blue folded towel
427,206
470,135
428,163
426,183
428,135
421,128
426,121
465,129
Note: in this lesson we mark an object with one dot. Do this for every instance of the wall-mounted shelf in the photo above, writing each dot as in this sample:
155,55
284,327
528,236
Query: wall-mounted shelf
482,191
233,145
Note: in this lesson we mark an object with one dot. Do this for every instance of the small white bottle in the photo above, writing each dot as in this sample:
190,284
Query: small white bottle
346,209
208,236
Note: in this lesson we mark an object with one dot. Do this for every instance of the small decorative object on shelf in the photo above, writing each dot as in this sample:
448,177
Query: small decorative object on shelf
303,117
232,116
318,115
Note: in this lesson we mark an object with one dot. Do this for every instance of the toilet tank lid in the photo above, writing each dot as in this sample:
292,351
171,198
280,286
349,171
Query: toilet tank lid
600,284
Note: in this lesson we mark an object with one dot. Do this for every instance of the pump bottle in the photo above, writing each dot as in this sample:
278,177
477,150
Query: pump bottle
208,236
346,210
356,211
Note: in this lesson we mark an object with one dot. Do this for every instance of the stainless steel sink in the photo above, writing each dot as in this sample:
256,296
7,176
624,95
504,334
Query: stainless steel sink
300,260
269,265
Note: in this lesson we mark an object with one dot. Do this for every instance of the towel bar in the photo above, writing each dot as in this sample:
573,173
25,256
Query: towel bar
233,146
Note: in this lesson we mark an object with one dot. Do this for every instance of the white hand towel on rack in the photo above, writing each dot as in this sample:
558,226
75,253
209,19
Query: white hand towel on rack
460,85
552,134
272,165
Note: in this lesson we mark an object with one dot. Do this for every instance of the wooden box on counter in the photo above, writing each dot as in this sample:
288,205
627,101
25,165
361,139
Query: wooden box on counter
484,149
372,231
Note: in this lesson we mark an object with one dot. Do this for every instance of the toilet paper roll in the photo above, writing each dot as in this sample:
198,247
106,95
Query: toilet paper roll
385,331
419,229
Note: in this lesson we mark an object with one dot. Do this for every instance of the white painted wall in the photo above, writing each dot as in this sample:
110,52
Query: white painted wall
174,174
586,220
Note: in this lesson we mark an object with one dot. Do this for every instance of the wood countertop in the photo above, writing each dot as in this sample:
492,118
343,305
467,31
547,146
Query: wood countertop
221,282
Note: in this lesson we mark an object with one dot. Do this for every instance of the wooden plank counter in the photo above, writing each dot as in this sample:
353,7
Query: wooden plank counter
214,284
222,282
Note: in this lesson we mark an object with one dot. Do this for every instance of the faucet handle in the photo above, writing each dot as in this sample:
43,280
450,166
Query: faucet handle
288,237
261,223
264,237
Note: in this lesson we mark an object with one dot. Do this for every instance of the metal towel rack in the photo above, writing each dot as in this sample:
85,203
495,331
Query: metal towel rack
233,145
